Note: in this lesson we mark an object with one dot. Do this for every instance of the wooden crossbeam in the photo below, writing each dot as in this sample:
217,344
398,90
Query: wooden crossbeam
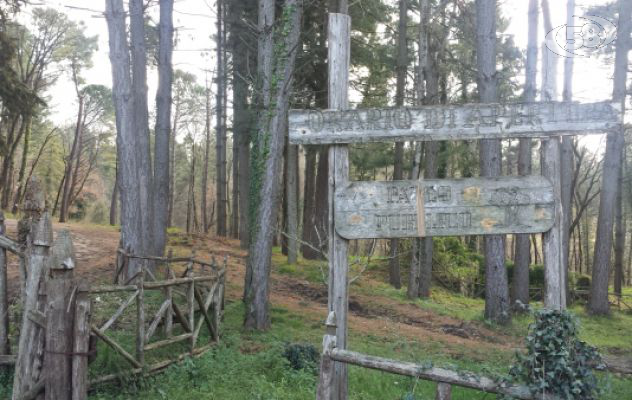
157,318
115,346
167,342
204,305
118,312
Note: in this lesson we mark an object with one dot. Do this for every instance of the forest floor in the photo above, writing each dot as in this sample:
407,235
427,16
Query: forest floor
447,329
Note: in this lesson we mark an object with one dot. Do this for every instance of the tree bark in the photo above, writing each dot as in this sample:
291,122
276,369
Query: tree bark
598,303
276,60
418,246
497,305
126,144
141,125
220,131
207,151
398,173
22,174
523,247
114,199
72,157
163,128
567,158
291,196
309,193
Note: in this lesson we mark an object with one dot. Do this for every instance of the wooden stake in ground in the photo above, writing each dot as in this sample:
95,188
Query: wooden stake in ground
31,345
59,321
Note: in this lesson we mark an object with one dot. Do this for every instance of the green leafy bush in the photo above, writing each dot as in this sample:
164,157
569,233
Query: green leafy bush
556,361
301,355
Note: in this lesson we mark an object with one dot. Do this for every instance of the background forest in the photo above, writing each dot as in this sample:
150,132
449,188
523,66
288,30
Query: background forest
194,155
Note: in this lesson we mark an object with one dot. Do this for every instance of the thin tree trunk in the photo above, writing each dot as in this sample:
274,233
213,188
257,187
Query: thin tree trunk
268,151
75,150
191,194
163,128
309,193
398,173
22,174
141,127
619,232
523,248
598,303
220,143
291,196
418,247
497,305
567,158
126,133
114,199
207,151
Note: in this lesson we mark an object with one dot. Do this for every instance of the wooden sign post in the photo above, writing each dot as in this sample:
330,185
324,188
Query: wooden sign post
339,33
396,209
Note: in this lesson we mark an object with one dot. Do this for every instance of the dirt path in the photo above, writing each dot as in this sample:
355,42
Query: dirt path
96,247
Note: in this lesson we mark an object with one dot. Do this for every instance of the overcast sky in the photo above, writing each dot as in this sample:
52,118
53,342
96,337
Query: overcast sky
195,23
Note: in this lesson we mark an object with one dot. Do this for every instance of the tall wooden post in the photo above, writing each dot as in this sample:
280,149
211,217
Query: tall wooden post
554,271
4,296
59,323
339,58
31,344
81,345
140,315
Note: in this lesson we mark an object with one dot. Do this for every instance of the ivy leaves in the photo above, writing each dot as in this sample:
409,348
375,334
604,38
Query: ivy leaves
556,361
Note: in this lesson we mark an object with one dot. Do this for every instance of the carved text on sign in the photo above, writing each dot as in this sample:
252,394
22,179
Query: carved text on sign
474,206
470,121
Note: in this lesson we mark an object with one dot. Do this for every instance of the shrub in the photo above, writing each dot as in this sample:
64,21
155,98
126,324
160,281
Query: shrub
556,361
301,355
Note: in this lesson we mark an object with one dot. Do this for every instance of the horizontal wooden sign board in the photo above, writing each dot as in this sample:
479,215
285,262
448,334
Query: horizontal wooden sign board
473,206
464,122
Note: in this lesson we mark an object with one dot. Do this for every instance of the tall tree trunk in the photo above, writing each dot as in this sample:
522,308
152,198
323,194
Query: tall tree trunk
207,151
398,173
619,237
567,158
291,196
191,194
141,125
126,143
523,248
163,128
321,213
276,60
172,165
598,303
418,247
497,305
220,142
309,193
22,182
74,154
114,199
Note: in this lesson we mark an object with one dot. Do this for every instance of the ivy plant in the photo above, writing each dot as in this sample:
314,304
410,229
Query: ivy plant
556,362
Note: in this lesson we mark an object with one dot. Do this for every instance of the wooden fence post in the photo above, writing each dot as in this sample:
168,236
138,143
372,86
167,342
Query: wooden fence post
191,301
326,388
444,391
339,57
81,346
31,344
169,296
4,295
59,321
140,316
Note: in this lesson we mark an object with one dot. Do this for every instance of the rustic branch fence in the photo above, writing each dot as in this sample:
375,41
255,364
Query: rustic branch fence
59,331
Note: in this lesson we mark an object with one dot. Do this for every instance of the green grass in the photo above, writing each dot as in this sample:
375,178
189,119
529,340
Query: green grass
251,366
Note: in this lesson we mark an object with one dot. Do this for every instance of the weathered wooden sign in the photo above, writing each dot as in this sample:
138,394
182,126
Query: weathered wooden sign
473,206
470,121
